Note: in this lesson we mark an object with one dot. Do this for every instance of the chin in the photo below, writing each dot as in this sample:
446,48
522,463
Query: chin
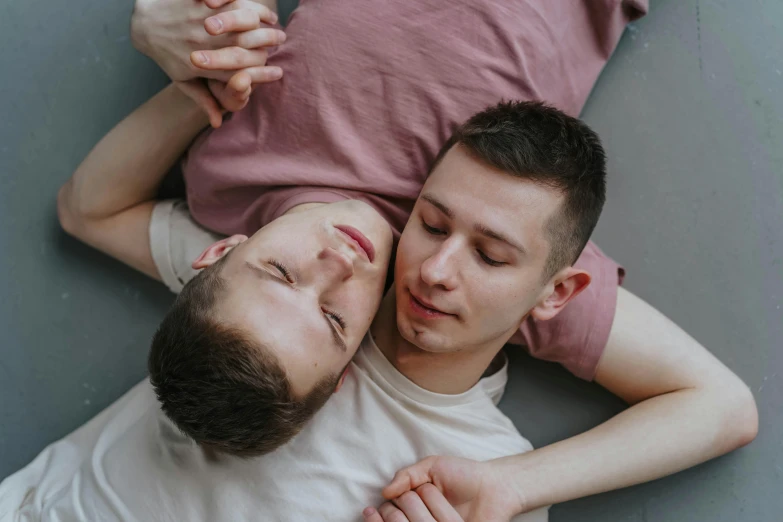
424,339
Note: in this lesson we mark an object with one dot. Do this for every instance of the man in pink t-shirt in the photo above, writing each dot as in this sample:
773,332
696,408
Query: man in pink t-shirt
369,96
363,123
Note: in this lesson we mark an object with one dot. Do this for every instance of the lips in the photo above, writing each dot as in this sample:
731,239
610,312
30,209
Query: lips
359,239
426,309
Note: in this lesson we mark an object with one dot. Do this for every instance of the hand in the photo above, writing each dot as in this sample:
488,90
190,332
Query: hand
215,97
477,490
230,35
425,504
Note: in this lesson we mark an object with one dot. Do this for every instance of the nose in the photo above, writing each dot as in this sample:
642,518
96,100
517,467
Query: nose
440,269
333,266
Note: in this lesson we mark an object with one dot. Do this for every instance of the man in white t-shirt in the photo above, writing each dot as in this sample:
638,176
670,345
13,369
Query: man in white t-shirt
130,463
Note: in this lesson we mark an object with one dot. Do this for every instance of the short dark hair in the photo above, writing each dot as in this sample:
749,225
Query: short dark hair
219,386
534,141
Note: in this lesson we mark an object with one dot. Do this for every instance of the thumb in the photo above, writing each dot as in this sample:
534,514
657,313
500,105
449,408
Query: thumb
410,478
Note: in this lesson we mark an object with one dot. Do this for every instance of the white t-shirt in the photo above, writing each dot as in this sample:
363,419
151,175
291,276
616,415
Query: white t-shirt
130,463
176,240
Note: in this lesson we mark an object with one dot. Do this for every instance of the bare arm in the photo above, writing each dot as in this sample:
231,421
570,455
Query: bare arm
687,408
108,201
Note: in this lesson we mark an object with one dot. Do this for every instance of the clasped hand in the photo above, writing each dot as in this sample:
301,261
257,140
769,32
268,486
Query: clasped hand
214,50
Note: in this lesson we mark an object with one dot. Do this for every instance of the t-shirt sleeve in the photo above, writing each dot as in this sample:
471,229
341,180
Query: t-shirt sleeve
577,336
176,240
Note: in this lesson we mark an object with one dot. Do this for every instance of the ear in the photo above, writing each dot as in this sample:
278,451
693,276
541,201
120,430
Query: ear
567,284
341,381
217,250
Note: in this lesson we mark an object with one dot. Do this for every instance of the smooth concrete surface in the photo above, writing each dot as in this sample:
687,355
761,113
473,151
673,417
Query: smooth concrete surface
690,109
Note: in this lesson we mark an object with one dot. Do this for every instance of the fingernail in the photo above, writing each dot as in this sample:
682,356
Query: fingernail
281,37
368,512
276,73
273,18
216,24
202,58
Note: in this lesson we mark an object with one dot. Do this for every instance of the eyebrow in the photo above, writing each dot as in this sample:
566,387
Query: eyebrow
435,202
478,227
263,274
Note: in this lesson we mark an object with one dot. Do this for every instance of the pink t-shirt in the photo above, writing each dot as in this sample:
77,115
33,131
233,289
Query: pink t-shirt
373,89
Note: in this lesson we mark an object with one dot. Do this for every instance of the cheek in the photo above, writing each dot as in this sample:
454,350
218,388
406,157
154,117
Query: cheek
361,301
505,297
412,251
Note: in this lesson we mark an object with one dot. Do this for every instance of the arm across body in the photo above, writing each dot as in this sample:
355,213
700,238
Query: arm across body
109,200
108,203
686,408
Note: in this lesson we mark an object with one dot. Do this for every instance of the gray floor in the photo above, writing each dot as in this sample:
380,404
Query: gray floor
690,109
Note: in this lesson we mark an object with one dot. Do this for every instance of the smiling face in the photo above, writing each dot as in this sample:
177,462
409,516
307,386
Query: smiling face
307,286
470,261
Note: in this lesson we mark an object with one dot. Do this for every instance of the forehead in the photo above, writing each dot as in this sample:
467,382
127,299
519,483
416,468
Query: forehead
479,192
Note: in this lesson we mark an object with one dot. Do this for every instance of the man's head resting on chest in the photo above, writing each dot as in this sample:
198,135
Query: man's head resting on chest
258,341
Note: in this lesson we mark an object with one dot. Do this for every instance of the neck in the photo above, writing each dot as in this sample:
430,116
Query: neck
448,373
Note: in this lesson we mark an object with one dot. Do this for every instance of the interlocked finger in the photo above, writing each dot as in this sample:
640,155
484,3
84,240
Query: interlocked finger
229,58
264,37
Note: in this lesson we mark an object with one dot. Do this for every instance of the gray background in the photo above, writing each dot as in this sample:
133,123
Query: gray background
689,108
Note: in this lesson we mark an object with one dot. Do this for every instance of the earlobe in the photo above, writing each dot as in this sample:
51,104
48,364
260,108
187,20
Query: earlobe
217,250
568,284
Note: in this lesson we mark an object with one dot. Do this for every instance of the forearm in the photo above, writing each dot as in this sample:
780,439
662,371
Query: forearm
127,166
652,439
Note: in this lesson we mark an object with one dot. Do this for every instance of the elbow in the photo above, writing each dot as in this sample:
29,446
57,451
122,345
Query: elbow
66,213
748,419
741,423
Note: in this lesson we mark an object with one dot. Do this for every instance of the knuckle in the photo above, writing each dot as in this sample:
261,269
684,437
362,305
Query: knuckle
194,37
265,13
407,497
260,58
247,18
245,40
426,489
235,55
229,20
264,75
263,37
387,510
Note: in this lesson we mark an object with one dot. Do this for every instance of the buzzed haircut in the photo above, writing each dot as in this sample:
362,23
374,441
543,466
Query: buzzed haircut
534,141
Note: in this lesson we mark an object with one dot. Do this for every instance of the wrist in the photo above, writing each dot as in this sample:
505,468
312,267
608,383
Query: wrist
138,28
508,475
189,113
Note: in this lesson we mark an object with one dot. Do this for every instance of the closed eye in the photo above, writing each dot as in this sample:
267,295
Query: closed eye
337,317
432,230
488,260
283,270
